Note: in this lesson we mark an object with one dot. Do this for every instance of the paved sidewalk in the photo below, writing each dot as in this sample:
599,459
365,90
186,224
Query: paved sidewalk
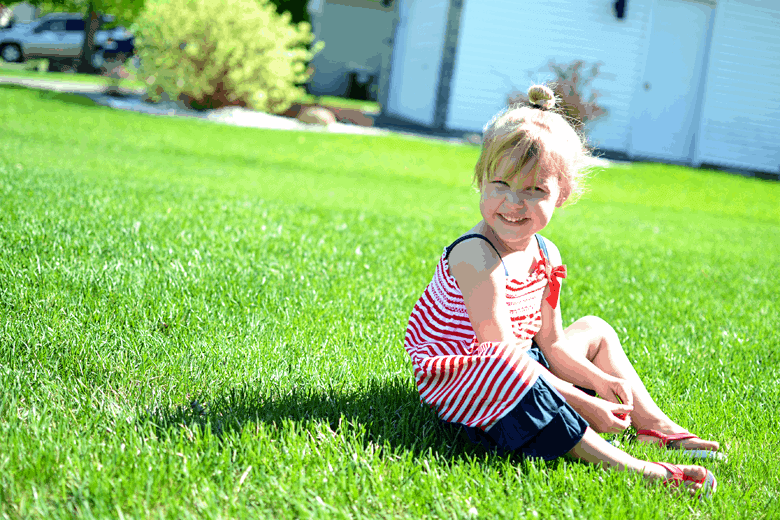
74,87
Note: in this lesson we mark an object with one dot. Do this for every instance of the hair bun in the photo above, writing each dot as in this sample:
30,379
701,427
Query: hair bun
541,97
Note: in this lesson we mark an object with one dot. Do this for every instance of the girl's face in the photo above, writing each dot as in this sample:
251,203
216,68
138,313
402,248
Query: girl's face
517,208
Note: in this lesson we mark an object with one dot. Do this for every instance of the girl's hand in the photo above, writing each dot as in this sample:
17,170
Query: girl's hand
602,415
615,390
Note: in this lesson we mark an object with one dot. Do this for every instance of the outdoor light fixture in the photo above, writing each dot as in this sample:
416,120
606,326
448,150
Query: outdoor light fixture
620,9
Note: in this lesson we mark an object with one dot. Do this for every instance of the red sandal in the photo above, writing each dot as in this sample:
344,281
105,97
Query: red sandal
708,482
665,440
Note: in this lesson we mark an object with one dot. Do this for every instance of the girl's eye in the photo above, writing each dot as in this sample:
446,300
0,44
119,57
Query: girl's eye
502,183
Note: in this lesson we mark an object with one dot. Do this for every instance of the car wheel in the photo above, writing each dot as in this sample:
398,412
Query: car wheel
12,53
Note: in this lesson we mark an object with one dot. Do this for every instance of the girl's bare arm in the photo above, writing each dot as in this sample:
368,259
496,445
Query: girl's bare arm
567,363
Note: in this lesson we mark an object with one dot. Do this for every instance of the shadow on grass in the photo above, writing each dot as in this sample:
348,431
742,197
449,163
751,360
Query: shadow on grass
385,414
52,95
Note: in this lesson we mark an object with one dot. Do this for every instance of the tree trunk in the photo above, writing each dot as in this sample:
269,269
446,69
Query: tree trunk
91,27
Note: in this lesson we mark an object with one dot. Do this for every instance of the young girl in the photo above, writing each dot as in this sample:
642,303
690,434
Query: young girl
486,337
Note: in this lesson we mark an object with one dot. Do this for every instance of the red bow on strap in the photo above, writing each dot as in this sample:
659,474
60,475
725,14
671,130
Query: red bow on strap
553,275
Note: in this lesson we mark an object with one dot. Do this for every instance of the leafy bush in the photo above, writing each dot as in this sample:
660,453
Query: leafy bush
215,53
569,88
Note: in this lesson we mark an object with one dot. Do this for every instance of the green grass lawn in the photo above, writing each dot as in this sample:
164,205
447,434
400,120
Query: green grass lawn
202,321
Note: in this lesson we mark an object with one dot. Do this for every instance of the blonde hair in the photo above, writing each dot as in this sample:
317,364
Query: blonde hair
536,132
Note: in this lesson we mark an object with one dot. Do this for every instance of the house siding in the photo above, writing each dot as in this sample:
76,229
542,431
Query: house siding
503,46
487,72
740,124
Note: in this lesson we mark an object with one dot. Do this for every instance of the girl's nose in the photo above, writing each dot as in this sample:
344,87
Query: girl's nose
515,198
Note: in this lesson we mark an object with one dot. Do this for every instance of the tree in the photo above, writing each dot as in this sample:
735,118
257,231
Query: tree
125,12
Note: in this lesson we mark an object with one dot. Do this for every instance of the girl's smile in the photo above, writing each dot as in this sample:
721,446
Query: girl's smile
512,220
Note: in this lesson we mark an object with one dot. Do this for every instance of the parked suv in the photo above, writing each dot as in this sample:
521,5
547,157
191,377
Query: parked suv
60,38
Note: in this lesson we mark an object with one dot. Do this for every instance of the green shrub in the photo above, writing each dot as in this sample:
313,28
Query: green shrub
215,53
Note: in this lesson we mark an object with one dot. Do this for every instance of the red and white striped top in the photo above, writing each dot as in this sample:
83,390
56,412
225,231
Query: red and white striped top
465,381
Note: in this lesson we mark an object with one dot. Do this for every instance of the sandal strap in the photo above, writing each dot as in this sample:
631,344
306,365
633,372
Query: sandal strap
677,475
664,439
676,471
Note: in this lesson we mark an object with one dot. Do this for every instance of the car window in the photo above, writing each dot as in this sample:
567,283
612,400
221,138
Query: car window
57,25
74,26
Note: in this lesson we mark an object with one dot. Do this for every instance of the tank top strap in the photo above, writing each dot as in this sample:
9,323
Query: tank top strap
542,247
475,235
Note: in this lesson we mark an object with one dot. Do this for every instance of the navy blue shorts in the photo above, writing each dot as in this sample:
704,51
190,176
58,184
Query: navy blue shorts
542,425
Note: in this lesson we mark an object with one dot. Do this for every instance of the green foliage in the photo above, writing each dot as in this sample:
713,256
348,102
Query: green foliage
222,52
125,11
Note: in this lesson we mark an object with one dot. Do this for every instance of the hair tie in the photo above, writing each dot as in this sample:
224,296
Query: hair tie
540,107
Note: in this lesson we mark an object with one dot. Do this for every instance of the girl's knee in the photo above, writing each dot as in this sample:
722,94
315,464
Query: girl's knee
601,329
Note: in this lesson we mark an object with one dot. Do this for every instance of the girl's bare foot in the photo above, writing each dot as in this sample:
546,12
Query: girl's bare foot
594,449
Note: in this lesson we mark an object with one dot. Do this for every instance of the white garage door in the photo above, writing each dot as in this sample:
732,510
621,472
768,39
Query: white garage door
666,108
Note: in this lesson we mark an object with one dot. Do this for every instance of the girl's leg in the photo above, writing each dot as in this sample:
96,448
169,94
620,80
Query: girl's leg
599,342
594,449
